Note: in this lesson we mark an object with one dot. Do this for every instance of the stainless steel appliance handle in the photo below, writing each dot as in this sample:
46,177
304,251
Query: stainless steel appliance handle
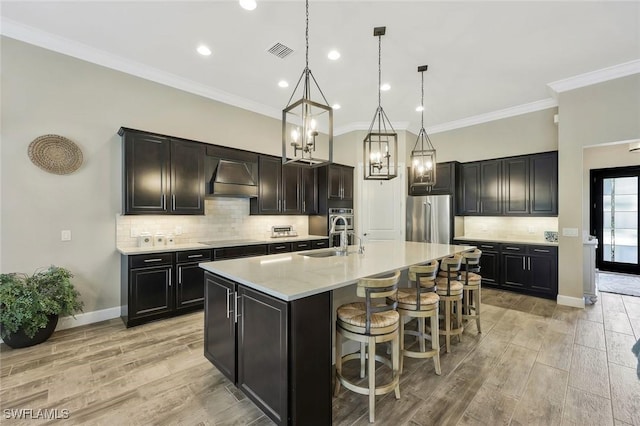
523,264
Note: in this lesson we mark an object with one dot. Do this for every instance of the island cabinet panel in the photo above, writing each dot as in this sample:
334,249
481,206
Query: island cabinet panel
277,353
262,351
220,324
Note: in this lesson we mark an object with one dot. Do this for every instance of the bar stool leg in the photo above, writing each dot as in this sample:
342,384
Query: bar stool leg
421,332
435,342
447,325
363,351
395,360
401,339
338,362
372,379
477,298
459,318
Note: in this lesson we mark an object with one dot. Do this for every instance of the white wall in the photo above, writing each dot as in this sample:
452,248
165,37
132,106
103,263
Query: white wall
45,92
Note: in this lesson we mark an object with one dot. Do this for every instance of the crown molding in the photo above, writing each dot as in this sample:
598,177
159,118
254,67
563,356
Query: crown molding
595,77
81,51
494,115
364,125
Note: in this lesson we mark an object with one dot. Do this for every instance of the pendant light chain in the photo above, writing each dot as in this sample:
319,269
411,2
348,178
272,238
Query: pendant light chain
307,36
379,69
422,100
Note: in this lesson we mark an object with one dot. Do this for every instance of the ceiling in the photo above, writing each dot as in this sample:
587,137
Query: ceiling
482,56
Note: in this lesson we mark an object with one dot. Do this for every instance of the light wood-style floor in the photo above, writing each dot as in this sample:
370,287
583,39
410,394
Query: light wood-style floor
534,363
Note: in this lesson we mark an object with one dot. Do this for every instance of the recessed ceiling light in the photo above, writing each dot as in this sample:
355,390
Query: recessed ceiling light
336,106
334,55
204,50
248,4
419,108
283,84
385,87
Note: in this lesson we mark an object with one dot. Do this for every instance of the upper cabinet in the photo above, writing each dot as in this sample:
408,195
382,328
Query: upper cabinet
162,175
531,185
288,189
445,180
514,186
340,182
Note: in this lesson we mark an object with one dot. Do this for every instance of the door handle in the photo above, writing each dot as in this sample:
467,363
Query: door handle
237,315
228,304
180,275
169,279
523,264
194,256
152,260
529,263
541,251
304,206
173,201
164,201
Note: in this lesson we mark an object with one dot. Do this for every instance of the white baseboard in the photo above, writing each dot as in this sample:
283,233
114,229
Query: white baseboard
576,302
88,318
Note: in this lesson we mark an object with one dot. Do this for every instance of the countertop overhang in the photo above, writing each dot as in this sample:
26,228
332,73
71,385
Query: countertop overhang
537,242
291,276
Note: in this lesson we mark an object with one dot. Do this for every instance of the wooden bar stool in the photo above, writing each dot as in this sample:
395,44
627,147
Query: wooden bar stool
369,324
471,286
420,301
450,291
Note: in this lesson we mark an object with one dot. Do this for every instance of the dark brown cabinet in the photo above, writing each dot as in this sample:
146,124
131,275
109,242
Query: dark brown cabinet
189,287
514,186
445,180
146,291
340,182
278,353
284,189
162,175
219,309
531,185
531,269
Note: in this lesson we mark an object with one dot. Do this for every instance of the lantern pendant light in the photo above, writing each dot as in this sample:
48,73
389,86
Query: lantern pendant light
380,150
307,123
423,156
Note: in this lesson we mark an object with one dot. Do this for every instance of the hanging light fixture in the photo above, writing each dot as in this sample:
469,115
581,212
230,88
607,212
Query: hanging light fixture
307,123
423,156
381,143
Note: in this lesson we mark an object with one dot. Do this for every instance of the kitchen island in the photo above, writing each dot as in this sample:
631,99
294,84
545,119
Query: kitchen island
269,320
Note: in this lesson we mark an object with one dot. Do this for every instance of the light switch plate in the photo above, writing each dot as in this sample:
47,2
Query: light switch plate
569,232
65,235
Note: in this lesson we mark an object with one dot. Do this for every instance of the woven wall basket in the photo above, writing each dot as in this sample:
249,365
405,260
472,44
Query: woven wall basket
55,154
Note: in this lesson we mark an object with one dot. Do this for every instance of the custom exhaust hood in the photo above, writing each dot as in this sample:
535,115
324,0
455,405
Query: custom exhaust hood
231,177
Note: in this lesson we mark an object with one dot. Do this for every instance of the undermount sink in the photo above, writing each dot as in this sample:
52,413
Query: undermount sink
322,254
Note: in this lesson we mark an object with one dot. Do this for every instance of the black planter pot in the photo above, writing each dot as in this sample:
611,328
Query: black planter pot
20,340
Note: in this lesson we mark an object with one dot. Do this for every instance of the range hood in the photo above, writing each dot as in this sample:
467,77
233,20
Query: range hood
232,178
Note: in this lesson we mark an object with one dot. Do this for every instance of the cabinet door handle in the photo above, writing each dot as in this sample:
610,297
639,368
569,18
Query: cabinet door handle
192,256
278,205
228,304
180,275
173,201
512,248
237,315
484,246
523,267
541,251
152,260
529,263
164,201
304,206
302,245
279,247
169,279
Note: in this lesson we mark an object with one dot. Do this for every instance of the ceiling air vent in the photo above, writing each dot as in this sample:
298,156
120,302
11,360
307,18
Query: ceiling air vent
280,50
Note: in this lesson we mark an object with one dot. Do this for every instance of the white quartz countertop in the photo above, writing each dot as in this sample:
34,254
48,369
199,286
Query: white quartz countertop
540,241
216,244
291,276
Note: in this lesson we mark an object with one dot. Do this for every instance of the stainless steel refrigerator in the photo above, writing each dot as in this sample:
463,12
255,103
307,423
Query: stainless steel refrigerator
430,219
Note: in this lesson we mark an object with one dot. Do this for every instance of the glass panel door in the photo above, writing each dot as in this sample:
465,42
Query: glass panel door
615,218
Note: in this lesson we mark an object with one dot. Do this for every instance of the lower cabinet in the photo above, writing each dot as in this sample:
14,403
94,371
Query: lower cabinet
160,285
529,269
277,353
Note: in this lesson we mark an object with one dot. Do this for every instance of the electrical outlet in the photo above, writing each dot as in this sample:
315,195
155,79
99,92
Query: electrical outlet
178,230
531,229
65,235
569,232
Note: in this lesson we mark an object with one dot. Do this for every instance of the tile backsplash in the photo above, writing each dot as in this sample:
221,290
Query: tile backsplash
224,219
521,228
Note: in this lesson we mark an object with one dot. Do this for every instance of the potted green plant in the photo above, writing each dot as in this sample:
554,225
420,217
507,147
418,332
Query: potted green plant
31,304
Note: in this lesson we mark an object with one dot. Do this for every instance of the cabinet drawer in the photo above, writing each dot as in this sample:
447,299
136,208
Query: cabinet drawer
279,248
193,256
513,248
243,251
317,244
488,246
543,250
148,260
